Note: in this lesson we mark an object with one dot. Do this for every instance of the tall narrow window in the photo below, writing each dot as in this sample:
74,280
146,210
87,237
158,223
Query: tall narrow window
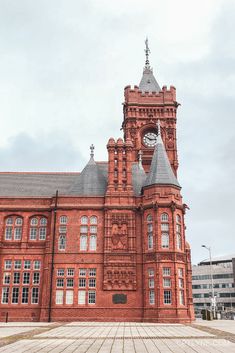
62,233
93,239
62,242
69,297
81,297
35,295
181,286
178,233
151,297
25,295
165,240
91,297
5,295
83,242
167,297
59,297
88,233
15,295
165,230
150,231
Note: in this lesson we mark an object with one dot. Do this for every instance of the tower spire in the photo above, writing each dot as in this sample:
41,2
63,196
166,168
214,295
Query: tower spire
159,137
147,52
160,172
148,82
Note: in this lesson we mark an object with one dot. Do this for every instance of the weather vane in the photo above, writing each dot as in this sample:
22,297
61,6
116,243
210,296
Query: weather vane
92,147
147,52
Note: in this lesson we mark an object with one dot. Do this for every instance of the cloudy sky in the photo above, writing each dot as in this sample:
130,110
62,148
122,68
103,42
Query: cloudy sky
63,67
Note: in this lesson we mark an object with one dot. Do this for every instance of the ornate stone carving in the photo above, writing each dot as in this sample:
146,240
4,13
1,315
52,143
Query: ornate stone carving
119,236
119,278
150,257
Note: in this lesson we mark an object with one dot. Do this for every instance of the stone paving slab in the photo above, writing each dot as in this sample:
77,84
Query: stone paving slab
119,338
121,346
126,324
144,331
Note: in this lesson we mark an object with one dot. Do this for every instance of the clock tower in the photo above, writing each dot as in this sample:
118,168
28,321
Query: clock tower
144,105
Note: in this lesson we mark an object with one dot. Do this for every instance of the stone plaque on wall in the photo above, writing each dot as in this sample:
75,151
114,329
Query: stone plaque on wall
119,299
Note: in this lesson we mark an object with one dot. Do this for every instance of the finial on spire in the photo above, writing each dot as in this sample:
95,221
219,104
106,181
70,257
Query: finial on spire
158,128
140,154
92,147
147,52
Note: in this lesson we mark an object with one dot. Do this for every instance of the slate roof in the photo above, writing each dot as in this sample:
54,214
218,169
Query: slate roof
91,181
138,178
160,172
148,82
35,184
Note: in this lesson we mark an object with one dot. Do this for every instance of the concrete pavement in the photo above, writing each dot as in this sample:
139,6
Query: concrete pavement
98,337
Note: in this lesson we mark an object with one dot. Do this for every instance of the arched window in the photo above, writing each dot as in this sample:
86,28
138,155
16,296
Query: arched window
84,220
38,228
34,221
43,221
150,231
9,221
178,233
63,220
88,233
18,221
164,217
62,242
13,228
93,220
165,230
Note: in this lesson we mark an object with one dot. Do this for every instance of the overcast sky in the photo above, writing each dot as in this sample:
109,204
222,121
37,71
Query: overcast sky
64,65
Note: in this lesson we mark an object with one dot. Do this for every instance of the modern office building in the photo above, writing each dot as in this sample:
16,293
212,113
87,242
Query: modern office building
223,271
110,244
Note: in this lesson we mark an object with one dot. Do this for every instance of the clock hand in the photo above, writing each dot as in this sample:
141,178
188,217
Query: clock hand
152,139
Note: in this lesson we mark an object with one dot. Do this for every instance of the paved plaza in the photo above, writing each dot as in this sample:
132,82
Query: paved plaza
99,337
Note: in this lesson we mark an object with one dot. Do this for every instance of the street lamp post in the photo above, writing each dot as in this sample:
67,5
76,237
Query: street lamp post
213,299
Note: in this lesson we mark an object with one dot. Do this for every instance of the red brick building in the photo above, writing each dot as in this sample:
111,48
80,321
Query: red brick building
107,243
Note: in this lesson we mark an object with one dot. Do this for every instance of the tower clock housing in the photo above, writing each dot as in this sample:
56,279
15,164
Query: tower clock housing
144,105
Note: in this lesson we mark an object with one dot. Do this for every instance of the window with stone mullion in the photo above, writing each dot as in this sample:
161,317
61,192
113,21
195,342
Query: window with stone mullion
13,227
150,232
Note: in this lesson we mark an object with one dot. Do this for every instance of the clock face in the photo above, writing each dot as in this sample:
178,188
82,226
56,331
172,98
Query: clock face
150,139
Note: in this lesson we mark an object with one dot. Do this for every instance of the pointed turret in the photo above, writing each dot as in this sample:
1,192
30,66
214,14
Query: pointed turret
160,171
138,175
148,82
91,181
